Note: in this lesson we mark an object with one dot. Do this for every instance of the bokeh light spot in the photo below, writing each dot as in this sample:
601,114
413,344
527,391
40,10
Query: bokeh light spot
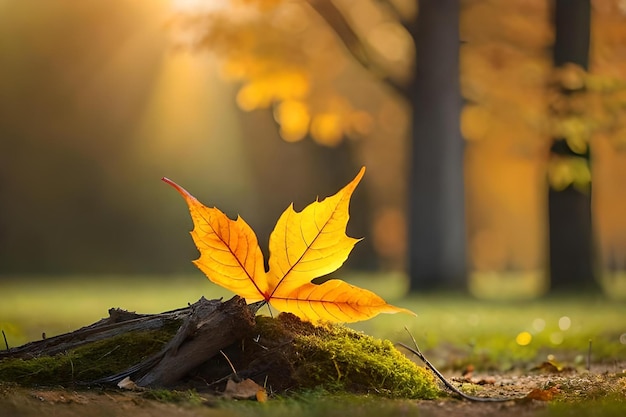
327,129
565,323
524,338
294,119
539,324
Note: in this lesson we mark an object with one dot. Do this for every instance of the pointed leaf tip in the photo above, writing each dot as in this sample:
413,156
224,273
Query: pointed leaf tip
230,255
361,172
178,188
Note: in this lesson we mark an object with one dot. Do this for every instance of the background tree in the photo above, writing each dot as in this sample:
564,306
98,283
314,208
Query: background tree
570,230
437,237
510,80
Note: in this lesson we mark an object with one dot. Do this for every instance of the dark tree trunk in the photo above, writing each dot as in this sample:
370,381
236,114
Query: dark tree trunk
571,238
437,237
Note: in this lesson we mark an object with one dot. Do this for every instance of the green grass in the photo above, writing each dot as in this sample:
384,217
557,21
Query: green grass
453,329
457,330
315,404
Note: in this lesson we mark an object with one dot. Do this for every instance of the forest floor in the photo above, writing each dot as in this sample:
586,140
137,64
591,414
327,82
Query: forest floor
569,353
597,393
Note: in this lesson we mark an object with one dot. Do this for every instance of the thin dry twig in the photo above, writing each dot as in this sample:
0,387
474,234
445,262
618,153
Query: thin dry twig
416,351
6,343
229,362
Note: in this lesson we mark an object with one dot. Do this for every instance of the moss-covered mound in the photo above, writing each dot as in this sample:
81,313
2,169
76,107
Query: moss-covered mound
283,354
299,355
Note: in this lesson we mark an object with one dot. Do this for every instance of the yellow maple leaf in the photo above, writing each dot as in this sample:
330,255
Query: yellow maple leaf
303,246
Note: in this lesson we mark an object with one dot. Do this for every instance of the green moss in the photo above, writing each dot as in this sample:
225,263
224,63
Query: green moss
86,363
338,359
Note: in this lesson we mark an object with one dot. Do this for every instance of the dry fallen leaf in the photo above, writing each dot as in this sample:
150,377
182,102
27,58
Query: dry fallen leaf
553,367
244,390
542,394
303,246
261,395
129,384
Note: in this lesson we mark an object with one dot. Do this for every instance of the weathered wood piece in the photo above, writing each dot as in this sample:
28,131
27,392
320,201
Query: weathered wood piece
118,322
204,328
211,327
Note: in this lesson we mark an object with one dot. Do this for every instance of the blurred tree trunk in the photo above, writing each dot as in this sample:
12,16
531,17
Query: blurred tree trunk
570,228
437,238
